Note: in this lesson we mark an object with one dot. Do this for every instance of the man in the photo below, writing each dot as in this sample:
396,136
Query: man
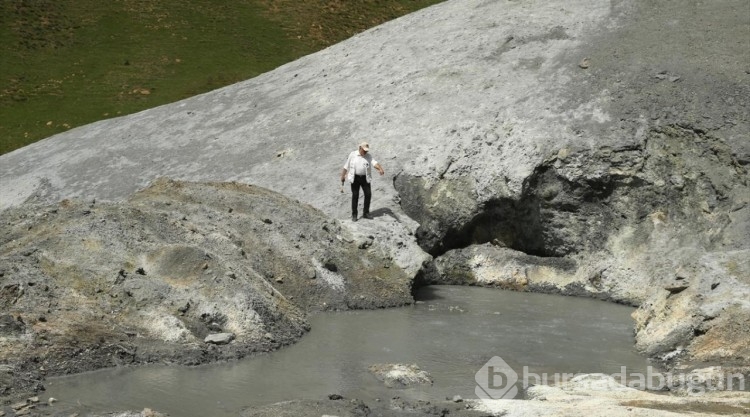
357,170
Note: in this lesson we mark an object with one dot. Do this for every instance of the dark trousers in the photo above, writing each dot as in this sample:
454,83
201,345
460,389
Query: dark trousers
360,181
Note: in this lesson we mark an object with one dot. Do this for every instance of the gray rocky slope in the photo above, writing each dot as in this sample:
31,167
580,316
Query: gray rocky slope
582,147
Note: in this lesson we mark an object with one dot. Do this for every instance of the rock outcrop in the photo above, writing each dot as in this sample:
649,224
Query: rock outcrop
662,226
170,274
398,375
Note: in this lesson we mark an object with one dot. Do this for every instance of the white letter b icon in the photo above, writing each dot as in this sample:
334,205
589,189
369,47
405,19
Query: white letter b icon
496,380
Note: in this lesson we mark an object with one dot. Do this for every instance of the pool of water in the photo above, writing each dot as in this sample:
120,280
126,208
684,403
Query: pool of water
451,332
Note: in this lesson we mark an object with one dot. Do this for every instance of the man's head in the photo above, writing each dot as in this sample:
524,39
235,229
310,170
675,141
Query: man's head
364,147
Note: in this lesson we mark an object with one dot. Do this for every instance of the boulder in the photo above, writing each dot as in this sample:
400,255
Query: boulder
400,375
219,338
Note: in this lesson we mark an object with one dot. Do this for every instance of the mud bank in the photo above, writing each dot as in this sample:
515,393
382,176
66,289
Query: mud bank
182,273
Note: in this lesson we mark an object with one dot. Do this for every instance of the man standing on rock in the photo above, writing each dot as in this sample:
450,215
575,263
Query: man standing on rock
357,170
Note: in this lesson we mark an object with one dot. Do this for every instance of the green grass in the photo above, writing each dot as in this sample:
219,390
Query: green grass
65,63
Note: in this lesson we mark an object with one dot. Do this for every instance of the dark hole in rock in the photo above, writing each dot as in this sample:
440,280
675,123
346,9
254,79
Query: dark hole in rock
574,202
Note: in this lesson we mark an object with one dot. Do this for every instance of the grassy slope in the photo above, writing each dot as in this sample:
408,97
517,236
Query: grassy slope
65,63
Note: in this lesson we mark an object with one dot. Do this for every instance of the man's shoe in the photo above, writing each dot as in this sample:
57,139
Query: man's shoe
367,216
354,217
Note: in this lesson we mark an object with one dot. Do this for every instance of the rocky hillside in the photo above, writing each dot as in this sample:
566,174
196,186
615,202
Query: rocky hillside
581,147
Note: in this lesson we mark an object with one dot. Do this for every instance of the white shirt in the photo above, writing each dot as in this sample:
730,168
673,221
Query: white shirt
360,164
357,164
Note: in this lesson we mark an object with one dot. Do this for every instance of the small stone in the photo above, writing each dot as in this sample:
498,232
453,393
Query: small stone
279,280
230,275
312,273
267,221
219,338
51,400
33,400
457,399
184,309
585,63
677,181
365,243
18,406
335,397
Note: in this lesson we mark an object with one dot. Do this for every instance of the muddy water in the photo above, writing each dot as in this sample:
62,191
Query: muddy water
451,332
